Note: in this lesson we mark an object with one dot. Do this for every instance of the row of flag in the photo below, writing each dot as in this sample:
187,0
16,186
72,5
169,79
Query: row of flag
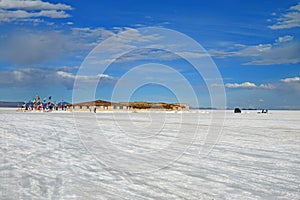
42,104
37,99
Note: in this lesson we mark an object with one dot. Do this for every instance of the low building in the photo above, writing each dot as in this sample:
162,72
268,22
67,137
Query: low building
100,105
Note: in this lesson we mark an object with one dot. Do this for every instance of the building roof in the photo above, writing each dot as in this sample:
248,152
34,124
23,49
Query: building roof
138,105
95,103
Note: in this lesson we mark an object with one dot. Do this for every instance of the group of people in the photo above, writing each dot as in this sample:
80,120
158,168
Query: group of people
36,104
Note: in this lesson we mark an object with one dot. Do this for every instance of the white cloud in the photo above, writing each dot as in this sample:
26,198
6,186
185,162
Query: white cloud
104,76
284,39
25,77
126,39
186,54
14,10
7,16
247,85
286,86
288,20
127,45
291,80
28,47
220,53
67,79
267,86
131,45
32,77
130,34
254,50
32,5
64,74
287,53
283,51
87,32
289,85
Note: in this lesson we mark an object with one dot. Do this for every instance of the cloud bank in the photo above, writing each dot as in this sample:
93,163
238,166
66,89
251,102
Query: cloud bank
32,47
39,78
290,19
14,10
284,50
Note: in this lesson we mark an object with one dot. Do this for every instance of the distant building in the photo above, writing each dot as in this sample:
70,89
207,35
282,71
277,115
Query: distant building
100,105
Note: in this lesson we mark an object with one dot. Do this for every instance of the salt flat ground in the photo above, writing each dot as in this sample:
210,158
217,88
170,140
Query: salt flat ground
150,155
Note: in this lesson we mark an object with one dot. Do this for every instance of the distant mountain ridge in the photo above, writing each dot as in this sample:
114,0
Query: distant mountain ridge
10,104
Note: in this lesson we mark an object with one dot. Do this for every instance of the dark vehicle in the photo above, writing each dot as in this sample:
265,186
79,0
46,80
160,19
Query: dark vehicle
237,110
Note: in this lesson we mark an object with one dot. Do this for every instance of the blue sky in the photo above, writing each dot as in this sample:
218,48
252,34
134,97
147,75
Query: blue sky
254,44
